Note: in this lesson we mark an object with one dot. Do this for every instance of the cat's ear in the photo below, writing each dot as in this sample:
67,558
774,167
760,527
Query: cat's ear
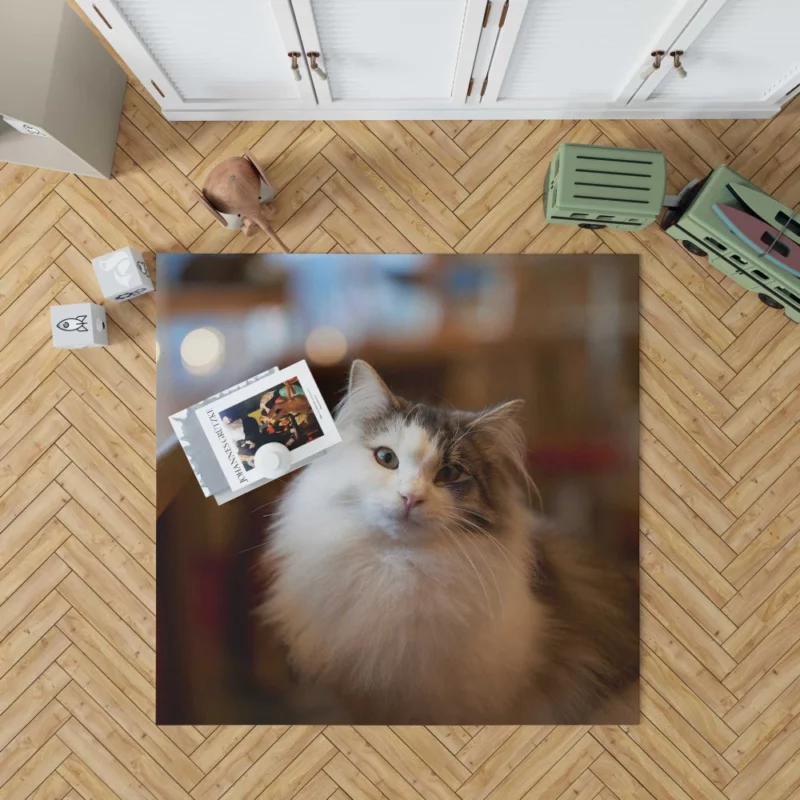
367,394
366,386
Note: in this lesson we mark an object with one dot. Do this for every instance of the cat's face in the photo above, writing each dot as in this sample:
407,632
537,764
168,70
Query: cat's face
416,470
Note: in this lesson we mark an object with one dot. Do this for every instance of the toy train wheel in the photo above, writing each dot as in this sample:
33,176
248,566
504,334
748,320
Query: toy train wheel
592,226
693,248
770,301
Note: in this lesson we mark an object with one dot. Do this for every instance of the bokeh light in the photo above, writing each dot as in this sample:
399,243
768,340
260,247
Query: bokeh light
326,345
202,350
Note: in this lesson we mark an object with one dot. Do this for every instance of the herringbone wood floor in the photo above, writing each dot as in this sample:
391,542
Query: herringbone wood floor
720,462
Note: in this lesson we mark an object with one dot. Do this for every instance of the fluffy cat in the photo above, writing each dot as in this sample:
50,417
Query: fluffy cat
412,578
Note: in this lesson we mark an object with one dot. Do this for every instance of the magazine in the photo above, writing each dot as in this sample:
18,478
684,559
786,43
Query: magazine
280,407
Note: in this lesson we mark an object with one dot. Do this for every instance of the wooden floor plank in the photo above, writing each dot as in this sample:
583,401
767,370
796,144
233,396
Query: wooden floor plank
30,267
12,176
109,697
158,203
95,608
143,152
159,131
36,297
31,666
437,143
681,734
30,630
356,171
681,553
32,592
402,180
31,738
25,199
493,153
424,166
37,769
690,697
681,408
127,571
513,169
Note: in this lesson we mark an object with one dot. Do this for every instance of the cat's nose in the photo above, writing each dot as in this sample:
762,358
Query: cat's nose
411,500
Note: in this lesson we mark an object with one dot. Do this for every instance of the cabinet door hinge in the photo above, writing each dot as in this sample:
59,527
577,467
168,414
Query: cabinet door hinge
486,13
503,15
483,88
469,88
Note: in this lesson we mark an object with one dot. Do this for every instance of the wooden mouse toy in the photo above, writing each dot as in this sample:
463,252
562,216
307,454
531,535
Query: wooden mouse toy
233,188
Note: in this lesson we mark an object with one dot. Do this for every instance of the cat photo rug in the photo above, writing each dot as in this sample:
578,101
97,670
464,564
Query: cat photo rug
461,549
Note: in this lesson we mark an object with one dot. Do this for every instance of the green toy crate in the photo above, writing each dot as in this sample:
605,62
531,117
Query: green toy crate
695,224
598,187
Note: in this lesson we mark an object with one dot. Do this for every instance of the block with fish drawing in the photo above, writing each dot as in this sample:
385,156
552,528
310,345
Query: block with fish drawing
122,275
78,325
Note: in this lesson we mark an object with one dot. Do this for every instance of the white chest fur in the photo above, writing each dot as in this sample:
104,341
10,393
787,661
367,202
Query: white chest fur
447,628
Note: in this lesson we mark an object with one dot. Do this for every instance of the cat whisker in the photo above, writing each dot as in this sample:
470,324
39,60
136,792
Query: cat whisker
248,549
467,431
410,411
461,547
484,519
531,484
264,505
475,570
459,561
473,525
503,549
444,400
506,553
494,578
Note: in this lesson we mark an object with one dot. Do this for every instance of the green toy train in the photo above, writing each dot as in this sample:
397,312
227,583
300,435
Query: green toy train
745,234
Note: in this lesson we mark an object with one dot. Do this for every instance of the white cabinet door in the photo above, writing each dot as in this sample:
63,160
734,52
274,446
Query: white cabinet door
208,54
734,51
578,54
382,54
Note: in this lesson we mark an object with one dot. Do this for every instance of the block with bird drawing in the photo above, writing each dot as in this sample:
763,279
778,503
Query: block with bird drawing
122,274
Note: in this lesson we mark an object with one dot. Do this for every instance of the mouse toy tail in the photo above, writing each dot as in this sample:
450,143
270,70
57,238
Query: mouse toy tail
265,225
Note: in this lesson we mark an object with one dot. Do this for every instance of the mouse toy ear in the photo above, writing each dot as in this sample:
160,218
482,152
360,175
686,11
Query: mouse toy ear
214,213
261,174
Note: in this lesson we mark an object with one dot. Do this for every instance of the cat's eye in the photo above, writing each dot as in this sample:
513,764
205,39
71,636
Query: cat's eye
449,473
387,458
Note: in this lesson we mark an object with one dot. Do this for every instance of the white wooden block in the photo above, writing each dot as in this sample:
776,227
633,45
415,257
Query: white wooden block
78,325
122,274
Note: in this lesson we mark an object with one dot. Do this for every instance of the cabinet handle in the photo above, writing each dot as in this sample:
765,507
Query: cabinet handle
657,56
676,60
312,57
100,14
295,66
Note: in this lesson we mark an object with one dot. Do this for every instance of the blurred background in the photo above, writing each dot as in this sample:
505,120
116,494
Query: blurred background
561,332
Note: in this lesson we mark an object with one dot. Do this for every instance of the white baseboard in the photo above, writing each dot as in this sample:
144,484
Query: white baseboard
745,111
